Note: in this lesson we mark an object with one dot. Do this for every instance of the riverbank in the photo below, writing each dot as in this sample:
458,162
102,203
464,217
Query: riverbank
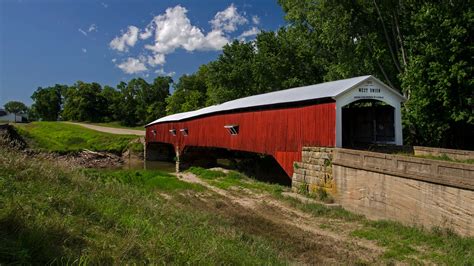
74,144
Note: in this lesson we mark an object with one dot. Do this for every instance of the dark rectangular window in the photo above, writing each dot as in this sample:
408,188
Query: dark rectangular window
184,131
232,129
173,132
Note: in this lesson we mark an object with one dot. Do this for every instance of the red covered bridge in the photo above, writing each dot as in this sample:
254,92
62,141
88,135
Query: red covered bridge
340,113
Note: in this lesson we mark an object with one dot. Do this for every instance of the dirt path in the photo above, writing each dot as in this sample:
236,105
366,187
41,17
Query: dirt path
314,239
112,130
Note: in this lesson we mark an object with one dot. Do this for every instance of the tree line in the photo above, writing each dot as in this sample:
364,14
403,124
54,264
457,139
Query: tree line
422,48
134,103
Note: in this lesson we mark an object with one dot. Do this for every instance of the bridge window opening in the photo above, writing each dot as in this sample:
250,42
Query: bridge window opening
153,132
184,131
173,132
367,122
232,129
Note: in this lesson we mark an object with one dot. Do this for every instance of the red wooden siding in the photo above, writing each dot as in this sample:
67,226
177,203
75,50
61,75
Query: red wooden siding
278,132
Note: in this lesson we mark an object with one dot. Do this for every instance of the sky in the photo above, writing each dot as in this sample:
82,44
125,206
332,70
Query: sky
47,42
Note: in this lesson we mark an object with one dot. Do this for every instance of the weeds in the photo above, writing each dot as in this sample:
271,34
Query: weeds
50,214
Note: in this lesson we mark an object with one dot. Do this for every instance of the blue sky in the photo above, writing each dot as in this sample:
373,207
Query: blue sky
107,41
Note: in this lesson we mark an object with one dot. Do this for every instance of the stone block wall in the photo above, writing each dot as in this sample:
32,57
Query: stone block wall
314,171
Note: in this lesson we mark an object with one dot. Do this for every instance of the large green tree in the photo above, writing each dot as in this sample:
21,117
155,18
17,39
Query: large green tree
439,78
112,104
422,48
47,102
230,76
189,93
84,102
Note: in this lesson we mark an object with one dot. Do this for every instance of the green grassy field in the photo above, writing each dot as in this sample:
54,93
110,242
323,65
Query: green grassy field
51,214
62,138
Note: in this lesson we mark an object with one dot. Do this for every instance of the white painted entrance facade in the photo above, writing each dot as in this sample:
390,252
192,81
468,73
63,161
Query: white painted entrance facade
370,89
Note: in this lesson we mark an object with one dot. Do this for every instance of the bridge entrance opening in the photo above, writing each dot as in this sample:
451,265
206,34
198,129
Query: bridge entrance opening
367,122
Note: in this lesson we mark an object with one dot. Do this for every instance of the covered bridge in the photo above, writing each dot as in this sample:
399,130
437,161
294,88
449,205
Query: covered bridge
343,113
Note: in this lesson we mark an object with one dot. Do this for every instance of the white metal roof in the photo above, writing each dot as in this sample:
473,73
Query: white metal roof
312,92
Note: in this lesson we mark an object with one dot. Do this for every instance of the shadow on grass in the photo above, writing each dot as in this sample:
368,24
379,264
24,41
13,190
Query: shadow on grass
22,244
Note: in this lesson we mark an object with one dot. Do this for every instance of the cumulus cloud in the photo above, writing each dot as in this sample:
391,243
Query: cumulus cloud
132,66
248,33
128,39
255,20
84,50
156,59
228,20
173,30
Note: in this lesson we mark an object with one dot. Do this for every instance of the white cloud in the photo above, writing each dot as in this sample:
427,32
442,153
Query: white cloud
156,59
84,50
82,31
255,20
129,38
228,20
104,5
251,32
132,66
92,27
173,30
114,60
162,72
148,32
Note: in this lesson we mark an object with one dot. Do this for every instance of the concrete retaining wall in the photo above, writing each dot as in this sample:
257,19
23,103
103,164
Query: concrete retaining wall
453,154
411,190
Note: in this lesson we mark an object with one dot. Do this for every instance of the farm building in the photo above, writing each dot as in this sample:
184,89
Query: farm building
345,113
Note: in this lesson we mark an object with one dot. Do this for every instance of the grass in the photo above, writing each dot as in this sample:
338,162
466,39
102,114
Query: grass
405,242
149,179
443,157
234,179
446,158
50,214
63,138
402,243
116,124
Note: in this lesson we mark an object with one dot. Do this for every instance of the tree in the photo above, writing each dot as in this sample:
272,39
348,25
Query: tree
84,102
189,93
439,76
111,97
422,48
15,107
230,76
48,101
152,99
